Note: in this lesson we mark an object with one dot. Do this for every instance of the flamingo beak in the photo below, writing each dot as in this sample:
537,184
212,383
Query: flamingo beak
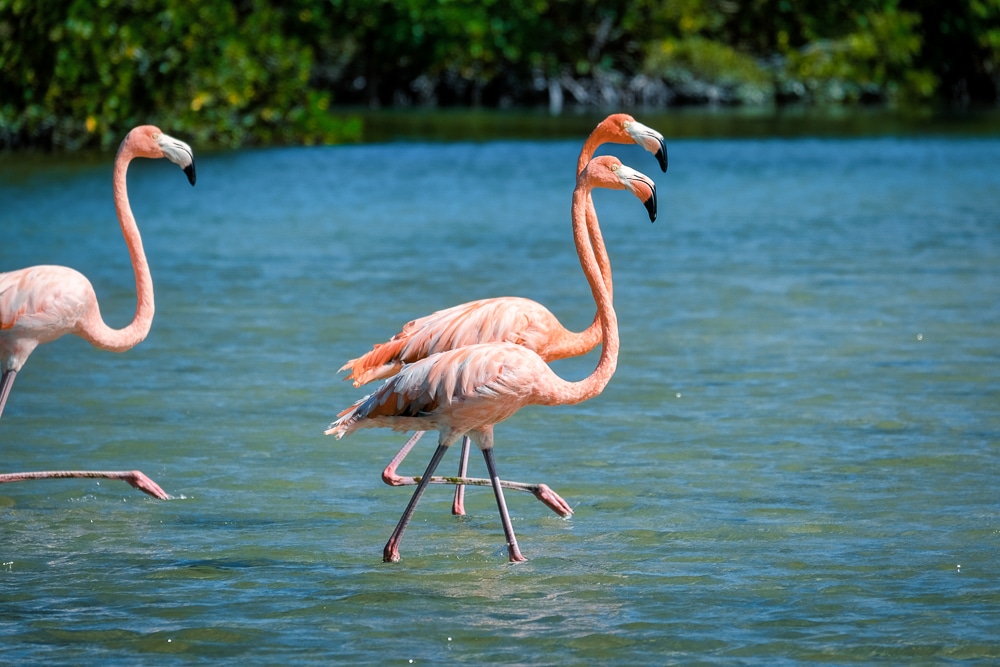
661,154
179,153
630,178
649,139
650,205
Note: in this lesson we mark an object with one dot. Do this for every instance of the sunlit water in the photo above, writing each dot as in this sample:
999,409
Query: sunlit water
797,460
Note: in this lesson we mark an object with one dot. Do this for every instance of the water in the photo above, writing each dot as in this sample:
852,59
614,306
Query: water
796,462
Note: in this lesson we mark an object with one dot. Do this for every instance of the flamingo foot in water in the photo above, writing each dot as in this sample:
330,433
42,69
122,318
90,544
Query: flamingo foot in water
140,481
552,499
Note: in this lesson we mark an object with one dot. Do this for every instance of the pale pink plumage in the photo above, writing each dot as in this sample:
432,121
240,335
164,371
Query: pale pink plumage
511,319
469,389
41,303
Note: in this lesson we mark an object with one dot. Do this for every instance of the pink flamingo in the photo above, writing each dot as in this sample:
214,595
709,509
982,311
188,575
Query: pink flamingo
469,389
41,303
514,319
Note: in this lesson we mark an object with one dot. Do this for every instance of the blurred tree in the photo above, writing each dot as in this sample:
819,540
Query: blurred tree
823,52
230,72
876,60
84,72
961,44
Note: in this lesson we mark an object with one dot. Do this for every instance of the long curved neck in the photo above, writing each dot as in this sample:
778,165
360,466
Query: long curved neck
589,244
572,343
94,328
590,146
591,336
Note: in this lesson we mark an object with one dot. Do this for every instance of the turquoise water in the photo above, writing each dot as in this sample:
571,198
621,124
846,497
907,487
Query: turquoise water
796,462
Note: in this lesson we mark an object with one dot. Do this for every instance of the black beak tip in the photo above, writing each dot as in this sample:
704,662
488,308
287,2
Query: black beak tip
650,205
661,155
189,170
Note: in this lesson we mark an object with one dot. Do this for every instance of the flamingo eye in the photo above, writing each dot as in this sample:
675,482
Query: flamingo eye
614,167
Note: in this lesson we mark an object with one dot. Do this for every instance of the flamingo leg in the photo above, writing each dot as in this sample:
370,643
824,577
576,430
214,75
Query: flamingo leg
458,504
512,550
389,475
543,492
135,478
6,382
390,554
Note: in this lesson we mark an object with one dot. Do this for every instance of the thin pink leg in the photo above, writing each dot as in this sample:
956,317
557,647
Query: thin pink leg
6,382
458,504
389,474
512,550
543,492
390,554
133,477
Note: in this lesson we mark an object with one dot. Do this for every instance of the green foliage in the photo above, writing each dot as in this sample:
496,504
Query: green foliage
822,52
79,73
689,61
877,58
960,47
84,72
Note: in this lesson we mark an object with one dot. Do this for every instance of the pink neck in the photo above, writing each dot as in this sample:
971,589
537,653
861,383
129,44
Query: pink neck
590,146
94,329
589,338
586,235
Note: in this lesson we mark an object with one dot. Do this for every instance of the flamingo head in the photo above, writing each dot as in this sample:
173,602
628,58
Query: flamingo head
149,141
608,171
624,129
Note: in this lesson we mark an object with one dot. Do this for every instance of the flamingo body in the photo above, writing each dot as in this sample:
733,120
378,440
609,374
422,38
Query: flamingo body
509,319
38,305
455,392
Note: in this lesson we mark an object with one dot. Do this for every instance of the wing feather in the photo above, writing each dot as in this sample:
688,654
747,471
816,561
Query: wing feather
505,319
47,299
457,389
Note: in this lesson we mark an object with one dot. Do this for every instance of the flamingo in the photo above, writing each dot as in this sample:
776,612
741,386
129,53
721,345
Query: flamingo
469,389
513,319
42,303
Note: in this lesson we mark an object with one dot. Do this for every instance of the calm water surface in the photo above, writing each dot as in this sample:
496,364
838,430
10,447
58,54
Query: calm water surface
796,462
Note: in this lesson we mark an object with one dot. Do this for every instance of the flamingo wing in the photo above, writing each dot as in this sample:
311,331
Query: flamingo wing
44,302
455,391
504,319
